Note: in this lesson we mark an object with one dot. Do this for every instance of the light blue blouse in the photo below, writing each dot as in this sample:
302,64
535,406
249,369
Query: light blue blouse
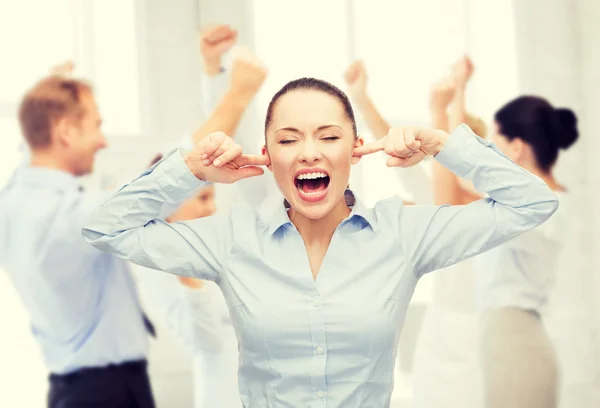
329,342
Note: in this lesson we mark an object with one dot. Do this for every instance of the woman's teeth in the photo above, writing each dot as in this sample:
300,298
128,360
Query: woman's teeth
311,176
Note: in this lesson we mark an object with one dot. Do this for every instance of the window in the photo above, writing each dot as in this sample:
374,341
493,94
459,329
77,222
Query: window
115,65
406,45
316,42
36,35
100,36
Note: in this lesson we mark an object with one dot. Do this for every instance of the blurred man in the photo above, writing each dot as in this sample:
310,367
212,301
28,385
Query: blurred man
82,303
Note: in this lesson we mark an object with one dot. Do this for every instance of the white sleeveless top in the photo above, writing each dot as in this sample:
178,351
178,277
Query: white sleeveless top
521,273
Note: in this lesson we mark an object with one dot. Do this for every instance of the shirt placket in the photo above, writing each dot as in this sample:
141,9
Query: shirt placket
319,350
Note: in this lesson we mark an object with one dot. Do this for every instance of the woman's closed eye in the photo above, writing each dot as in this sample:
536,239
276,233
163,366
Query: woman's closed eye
287,141
325,138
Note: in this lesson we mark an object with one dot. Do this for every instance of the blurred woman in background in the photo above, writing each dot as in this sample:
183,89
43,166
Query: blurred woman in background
513,281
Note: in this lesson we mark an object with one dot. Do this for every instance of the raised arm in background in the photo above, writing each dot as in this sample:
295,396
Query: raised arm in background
247,76
448,94
356,79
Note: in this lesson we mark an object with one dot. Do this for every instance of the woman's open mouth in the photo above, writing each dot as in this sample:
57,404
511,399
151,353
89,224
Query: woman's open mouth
312,186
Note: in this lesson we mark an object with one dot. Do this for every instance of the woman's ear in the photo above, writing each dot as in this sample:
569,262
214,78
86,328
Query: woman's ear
357,143
265,152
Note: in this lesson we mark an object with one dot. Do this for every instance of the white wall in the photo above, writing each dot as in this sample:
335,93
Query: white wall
587,17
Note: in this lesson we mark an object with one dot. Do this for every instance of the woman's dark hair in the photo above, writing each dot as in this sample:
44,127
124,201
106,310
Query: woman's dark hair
312,84
545,128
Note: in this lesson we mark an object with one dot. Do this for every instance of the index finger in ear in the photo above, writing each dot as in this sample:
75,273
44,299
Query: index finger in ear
369,148
253,160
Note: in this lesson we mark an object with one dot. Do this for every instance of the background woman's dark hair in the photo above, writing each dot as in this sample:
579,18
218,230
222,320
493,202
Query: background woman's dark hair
315,85
535,121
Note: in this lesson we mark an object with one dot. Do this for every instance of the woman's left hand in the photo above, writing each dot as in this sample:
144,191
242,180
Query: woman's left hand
406,146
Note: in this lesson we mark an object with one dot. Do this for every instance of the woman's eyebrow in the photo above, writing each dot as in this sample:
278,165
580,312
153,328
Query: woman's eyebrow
289,129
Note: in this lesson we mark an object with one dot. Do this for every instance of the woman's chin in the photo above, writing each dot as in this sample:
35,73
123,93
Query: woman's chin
311,207
311,213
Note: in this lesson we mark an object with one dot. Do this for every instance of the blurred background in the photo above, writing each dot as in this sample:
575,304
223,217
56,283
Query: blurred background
143,58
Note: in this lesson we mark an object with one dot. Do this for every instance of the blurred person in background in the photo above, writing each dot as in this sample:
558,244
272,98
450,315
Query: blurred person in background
446,355
82,303
513,281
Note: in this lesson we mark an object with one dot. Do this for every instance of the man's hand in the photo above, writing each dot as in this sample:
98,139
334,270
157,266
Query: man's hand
218,159
214,42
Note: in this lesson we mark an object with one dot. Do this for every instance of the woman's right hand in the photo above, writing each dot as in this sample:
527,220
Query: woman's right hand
218,159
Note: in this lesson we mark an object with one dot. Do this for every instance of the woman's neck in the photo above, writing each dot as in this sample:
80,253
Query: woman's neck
319,231
547,177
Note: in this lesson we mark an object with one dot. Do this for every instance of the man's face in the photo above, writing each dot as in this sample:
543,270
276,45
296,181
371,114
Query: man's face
85,137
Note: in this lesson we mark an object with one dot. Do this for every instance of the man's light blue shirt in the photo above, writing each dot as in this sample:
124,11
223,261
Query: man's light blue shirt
82,302
329,342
